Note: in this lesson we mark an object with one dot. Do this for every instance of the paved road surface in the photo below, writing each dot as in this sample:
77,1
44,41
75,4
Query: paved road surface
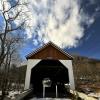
49,99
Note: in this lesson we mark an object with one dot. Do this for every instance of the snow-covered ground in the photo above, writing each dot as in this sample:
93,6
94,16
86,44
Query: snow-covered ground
87,97
82,95
96,95
12,94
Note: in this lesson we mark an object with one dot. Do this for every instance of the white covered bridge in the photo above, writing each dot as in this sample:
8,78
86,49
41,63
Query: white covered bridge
51,63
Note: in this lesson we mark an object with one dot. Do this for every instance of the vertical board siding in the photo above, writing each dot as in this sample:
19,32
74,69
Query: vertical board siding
49,53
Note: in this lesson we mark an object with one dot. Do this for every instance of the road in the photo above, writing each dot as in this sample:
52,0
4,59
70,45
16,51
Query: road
49,99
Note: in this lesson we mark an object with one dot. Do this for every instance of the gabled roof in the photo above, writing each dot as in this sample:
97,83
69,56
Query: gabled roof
44,47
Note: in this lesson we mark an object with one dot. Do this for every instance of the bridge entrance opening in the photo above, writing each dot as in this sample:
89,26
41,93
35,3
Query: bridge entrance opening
52,70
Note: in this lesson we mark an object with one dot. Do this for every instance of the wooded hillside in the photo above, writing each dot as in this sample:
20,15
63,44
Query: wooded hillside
85,71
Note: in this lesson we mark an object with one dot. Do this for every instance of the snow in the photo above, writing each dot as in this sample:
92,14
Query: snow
90,96
86,97
83,96
12,94
94,95
0,92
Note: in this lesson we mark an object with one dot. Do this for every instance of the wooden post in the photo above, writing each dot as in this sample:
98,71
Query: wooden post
56,91
43,91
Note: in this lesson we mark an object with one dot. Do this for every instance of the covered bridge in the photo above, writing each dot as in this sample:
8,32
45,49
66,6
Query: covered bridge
52,63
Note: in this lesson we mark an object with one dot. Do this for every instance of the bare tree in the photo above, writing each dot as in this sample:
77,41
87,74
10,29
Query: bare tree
12,46
12,14
14,19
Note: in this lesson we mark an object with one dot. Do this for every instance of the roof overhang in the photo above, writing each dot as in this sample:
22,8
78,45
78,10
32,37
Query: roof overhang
46,45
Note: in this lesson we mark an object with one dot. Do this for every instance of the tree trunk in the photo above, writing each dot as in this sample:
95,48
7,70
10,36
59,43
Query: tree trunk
3,95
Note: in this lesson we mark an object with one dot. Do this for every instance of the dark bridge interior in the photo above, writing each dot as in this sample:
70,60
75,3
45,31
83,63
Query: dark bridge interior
55,71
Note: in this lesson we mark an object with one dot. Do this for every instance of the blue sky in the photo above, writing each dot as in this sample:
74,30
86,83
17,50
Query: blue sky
89,44
74,25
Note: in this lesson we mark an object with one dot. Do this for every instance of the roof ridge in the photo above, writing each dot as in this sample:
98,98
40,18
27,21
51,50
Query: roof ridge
45,45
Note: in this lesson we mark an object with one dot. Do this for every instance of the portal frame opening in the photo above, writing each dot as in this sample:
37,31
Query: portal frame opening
52,69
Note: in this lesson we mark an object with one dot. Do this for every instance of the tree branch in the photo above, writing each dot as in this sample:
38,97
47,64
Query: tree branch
15,17
14,6
18,27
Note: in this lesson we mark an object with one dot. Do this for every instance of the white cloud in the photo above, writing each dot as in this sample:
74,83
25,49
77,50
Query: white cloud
35,42
57,21
87,19
5,4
